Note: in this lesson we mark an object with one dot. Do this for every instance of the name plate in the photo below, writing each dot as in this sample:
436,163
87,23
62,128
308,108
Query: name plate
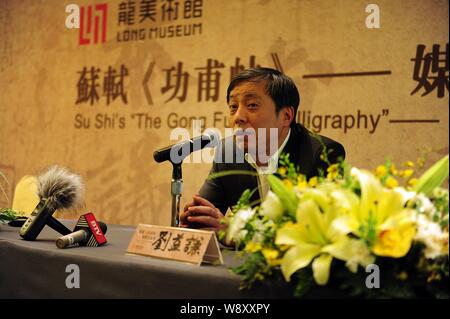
182,244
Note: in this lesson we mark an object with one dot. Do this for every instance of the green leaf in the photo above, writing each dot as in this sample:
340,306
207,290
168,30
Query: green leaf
231,172
7,214
286,196
433,177
244,200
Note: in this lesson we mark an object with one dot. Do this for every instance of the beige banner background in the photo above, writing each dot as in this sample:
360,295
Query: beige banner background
41,61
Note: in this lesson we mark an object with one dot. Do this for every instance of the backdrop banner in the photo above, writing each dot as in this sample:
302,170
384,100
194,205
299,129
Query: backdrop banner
97,86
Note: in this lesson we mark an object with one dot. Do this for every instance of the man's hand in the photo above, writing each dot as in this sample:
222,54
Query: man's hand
201,214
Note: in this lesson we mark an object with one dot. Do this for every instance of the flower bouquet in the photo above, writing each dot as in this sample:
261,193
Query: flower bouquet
350,230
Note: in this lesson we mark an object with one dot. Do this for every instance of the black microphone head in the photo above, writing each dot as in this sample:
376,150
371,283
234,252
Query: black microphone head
177,152
162,154
213,137
62,188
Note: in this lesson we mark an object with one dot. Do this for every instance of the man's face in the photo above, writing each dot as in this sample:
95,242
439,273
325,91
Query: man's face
251,107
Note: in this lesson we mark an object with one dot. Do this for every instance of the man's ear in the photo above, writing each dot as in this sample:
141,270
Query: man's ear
288,115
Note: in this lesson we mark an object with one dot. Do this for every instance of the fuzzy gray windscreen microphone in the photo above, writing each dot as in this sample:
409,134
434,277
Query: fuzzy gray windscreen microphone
62,188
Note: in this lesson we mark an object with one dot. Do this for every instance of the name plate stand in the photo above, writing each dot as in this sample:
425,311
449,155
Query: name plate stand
181,244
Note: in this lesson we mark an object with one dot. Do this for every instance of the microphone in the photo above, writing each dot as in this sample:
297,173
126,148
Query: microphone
57,189
176,153
87,232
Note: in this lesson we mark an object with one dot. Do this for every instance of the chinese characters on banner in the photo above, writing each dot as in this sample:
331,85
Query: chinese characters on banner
176,83
88,86
147,15
205,83
160,19
431,70
136,12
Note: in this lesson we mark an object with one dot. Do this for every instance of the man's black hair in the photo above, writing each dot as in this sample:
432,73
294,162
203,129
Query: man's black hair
279,87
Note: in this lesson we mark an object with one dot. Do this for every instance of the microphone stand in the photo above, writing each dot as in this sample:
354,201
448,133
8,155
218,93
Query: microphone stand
163,154
176,189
